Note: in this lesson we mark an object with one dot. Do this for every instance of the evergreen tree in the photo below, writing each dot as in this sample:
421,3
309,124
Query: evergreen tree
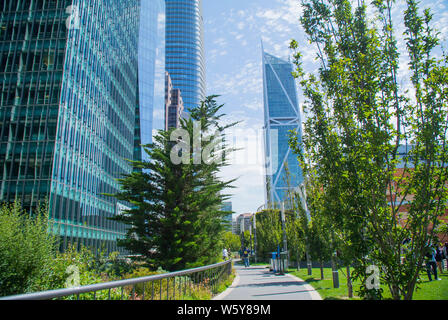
176,196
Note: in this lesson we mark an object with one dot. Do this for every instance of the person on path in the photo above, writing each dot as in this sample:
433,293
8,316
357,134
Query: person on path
439,258
224,254
431,262
246,257
445,254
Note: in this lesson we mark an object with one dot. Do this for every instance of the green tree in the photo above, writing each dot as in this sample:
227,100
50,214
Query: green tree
246,239
320,231
269,232
442,231
231,241
27,248
295,236
359,118
176,196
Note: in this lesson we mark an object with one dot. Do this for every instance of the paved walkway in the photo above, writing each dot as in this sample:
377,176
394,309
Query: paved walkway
258,283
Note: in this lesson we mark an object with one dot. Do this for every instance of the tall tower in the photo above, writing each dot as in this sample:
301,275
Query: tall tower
68,111
151,71
281,114
185,49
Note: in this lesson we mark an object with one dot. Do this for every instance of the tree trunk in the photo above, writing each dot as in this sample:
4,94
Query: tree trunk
410,288
349,283
321,270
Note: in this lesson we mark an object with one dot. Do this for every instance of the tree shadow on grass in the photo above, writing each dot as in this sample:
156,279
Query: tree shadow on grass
313,280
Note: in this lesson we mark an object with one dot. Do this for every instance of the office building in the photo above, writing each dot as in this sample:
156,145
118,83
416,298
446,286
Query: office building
151,71
69,73
244,222
227,206
185,49
281,114
234,226
174,105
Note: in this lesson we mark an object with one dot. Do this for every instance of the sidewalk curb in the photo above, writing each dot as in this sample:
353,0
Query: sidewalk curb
313,292
226,292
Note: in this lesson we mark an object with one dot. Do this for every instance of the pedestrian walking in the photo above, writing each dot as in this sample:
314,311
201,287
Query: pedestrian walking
431,264
445,255
439,258
246,257
224,254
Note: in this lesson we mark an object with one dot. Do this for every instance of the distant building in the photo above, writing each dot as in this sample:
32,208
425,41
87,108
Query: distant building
227,206
281,114
402,167
244,222
234,226
174,105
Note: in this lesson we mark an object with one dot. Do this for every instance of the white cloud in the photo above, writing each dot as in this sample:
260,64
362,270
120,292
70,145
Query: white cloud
222,42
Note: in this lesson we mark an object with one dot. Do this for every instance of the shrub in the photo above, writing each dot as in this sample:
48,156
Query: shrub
26,248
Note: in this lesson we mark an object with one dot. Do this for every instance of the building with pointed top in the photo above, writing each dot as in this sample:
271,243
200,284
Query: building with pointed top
281,114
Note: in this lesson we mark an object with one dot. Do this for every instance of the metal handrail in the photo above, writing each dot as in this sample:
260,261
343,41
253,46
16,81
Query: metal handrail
58,293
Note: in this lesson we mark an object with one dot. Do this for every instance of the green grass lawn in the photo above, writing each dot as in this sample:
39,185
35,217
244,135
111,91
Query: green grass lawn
435,290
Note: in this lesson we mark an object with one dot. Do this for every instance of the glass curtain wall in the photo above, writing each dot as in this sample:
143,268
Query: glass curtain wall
96,123
33,38
151,70
68,107
281,114
185,49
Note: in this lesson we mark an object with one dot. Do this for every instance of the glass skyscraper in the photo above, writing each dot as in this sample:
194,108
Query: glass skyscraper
281,114
69,73
227,206
151,71
185,49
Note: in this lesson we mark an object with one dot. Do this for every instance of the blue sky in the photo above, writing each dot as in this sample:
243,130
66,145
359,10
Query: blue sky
233,33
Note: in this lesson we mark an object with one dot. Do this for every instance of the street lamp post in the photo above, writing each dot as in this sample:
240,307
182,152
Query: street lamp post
250,239
285,242
255,237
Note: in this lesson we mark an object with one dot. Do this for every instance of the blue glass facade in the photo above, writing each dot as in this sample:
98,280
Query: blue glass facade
151,69
281,114
227,206
185,49
69,71
96,123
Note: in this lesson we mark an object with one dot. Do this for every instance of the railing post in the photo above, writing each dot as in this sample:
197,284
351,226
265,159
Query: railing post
152,290
174,289
167,288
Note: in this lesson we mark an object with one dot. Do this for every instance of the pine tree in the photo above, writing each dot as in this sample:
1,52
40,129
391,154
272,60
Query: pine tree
175,199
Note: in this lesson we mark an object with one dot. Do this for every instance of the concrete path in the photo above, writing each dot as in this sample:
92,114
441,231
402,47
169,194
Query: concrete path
258,283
